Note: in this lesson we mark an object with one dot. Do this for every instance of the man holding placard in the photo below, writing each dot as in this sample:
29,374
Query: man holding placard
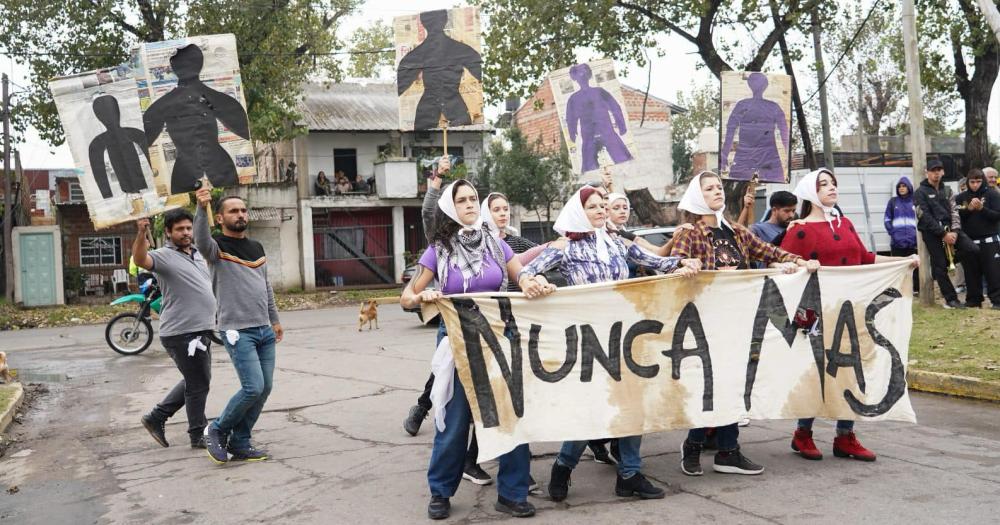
248,321
186,321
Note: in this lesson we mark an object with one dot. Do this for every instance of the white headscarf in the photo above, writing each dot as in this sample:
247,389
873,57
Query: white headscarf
573,219
805,190
487,215
447,204
469,245
694,201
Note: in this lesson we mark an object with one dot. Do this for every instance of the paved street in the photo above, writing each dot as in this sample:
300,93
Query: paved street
333,426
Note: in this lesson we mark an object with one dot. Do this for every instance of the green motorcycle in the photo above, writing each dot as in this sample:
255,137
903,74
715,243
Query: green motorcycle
131,333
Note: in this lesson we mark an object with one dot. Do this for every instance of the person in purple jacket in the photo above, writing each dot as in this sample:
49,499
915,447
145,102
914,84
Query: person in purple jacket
901,224
465,257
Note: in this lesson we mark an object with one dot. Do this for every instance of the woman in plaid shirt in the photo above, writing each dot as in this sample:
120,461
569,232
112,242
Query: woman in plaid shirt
720,245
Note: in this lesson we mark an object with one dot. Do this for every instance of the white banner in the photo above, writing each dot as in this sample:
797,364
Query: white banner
665,353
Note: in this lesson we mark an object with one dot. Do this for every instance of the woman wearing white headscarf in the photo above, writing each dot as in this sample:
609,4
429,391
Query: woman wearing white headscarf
824,235
496,216
721,245
465,257
591,255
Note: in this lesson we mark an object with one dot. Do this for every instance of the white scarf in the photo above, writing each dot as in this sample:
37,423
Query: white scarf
443,368
694,201
447,204
487,215
805,190
612,197
573,219
469,246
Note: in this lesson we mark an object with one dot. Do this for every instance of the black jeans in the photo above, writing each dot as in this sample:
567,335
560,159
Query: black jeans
906,252
986,264
192,390
939,266
425,402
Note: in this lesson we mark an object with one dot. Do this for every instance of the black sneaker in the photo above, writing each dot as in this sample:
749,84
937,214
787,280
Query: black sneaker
439,508
250,453
477,475
559,482
691,458
215,445
734,462
199,442
637,485
518,509
954,304
532,485
412,422
156,428
601,453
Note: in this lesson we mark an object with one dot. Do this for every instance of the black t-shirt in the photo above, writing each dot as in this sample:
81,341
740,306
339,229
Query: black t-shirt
727,255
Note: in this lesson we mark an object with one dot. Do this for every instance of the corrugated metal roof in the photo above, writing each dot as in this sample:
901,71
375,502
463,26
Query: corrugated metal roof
355,106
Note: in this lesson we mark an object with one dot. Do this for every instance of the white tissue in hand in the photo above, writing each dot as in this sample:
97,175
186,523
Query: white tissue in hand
194,345
232,336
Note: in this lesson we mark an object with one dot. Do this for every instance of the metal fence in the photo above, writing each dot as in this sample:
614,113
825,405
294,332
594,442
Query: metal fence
354,255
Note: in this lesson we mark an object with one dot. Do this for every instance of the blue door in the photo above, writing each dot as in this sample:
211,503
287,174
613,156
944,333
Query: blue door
38,269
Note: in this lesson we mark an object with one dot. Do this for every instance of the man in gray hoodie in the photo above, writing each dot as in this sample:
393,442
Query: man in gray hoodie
248,322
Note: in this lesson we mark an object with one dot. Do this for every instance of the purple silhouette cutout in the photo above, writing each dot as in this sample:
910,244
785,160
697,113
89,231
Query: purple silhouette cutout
590,109
757,150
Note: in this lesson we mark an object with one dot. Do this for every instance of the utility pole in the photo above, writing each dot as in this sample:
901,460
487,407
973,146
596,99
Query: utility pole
823,108
8,215
861,110
913,86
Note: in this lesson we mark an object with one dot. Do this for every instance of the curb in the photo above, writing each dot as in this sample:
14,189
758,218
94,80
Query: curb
958,386
8,415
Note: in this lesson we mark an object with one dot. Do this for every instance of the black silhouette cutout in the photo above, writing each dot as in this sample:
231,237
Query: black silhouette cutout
120,145
442,60
190,111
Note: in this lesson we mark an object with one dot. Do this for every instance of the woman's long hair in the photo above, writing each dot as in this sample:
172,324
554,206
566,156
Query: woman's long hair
444,227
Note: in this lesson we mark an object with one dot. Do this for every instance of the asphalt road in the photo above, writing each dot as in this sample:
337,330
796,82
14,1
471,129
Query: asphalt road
333,426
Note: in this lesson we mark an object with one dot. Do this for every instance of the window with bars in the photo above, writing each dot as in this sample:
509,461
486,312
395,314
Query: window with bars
101,251
75,192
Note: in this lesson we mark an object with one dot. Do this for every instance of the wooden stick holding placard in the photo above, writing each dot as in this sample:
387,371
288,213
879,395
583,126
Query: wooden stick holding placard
445,130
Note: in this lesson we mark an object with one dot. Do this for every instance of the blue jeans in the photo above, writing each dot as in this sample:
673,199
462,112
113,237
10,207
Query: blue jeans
728,436
842,424
628,448
448,456
253,358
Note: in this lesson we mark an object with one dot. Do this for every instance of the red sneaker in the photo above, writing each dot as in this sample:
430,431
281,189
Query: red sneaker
802,442
848,446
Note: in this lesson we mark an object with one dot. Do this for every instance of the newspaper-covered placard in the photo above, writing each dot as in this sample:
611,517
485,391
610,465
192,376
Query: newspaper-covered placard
102,121
756,115
439,69
592,115
194,112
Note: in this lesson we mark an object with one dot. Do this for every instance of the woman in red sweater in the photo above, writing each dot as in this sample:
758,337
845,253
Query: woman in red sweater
826,236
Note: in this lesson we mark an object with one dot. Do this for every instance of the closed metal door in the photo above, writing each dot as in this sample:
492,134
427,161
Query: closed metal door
38,269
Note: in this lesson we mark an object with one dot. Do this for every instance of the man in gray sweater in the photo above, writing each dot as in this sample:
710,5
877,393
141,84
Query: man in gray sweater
248,322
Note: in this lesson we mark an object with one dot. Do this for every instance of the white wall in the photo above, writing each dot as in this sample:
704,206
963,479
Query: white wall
279,237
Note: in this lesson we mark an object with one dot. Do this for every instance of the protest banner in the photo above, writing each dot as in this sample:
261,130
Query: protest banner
194,112
100,114
592,115
439,69
667,352
755,122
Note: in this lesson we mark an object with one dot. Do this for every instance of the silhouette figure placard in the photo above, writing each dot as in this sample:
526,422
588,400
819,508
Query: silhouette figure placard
194,112
756,118
102,121
593,115
439,69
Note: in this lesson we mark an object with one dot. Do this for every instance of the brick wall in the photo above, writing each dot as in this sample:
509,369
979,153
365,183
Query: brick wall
74,222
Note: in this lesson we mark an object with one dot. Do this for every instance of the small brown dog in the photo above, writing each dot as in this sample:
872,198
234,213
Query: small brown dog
4,369
369,313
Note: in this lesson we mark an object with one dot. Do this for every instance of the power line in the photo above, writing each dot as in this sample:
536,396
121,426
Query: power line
101,55
850,46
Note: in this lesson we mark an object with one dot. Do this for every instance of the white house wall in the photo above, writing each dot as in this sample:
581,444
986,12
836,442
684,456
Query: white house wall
280,238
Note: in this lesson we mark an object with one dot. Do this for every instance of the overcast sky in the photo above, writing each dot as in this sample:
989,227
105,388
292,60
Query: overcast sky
676,71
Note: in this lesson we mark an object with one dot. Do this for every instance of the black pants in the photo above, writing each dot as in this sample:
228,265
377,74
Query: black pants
192,391
939,266
425,402
906,252
986,264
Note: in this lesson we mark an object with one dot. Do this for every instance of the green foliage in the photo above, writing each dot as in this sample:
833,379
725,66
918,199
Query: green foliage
529,179
280,43
367,43
702,104
73,281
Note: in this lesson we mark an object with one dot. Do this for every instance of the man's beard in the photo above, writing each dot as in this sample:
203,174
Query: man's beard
237,226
